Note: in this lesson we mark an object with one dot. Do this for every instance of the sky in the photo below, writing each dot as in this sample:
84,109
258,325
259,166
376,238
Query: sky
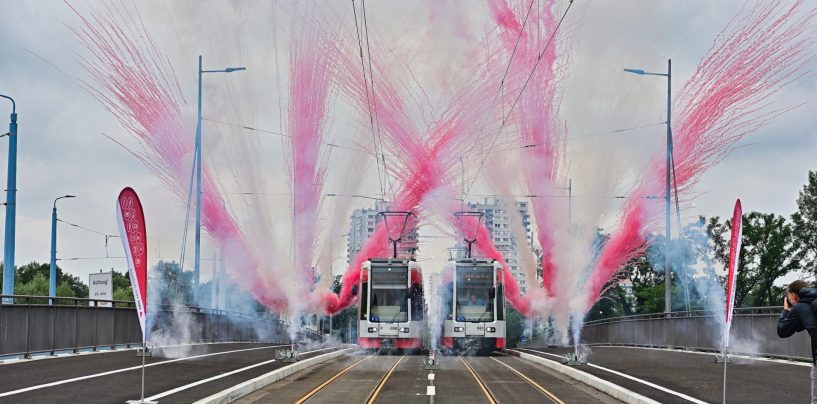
63,148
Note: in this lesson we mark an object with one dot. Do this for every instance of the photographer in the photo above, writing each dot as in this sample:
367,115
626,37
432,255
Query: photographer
797,316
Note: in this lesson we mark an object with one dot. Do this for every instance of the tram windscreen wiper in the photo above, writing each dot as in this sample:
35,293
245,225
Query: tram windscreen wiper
487,311
395,315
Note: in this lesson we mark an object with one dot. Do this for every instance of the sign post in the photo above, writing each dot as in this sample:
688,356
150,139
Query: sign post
100,287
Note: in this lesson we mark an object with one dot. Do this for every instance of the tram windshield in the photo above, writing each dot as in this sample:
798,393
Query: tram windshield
389,300
474,302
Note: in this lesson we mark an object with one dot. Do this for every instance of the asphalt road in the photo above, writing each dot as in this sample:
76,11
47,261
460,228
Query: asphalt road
696,375
183,377
358,378
115,377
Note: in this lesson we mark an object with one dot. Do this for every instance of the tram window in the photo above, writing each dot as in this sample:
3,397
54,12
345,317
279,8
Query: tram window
449,293
364,301
389,305
500,302
474,301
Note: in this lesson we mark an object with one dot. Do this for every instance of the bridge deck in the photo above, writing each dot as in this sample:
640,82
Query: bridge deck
112,377
695,375
360,378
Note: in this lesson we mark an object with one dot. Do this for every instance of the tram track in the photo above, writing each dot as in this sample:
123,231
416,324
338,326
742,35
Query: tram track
491,395
488,394
372,396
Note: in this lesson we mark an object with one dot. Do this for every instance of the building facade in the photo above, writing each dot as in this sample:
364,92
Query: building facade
498,218
362,224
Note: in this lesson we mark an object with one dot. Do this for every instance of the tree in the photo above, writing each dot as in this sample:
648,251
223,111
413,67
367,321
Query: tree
804,222
769,251
27,273
514,326
342,320
121,286
174,285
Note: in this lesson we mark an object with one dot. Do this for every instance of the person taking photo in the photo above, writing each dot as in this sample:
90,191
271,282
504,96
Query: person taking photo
798,315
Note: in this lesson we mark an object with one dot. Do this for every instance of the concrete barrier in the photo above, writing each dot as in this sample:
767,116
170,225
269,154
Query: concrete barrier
611,389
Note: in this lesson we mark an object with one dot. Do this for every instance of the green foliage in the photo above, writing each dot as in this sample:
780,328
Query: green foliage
176,285
27,273
341,321
35,285
125,294
804,221
514,326
64,289
614,303
769,251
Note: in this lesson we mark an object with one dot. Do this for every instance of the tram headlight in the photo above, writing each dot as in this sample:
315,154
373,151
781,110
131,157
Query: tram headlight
490,329
404,330
372,329
457,329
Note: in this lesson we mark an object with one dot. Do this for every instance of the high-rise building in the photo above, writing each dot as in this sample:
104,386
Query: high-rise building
363,223
497,219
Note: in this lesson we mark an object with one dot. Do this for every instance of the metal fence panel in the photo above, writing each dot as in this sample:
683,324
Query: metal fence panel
81,324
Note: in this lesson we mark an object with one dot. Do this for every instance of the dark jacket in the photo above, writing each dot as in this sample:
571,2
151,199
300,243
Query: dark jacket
801,317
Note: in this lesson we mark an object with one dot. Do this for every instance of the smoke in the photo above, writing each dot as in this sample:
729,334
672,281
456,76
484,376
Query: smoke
761,51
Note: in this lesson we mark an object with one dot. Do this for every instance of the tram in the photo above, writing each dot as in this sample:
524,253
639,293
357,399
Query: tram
391,310
473,305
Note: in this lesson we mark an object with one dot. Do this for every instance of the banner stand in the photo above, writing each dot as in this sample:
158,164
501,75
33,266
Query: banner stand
131,220
142,399
731,286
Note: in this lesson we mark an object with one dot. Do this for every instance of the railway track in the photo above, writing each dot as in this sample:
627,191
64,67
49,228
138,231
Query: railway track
372,397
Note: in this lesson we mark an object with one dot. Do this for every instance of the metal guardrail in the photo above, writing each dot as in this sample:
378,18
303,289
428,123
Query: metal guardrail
31,325
754,332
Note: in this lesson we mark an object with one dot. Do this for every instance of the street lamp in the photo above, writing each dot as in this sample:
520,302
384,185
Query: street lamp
11,205
667,269
52,280
197,269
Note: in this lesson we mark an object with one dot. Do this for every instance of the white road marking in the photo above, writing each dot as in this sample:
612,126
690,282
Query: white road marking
735,356
200,382
633,378
95,375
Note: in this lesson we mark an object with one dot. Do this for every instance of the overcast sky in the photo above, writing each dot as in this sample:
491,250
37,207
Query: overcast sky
62,149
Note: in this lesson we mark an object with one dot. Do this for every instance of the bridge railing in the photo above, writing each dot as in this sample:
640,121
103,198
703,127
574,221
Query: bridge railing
754,332
31,325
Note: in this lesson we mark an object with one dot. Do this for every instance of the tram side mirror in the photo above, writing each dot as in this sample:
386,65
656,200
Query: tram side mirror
354,290
492,292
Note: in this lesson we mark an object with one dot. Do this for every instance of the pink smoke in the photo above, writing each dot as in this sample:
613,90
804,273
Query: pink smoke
536,112
760,52
133,80
311,79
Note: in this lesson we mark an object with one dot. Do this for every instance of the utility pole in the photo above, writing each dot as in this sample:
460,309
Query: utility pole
11,205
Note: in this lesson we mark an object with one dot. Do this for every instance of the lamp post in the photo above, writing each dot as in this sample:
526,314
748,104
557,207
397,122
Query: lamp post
667,269
197,268
11,204
52,280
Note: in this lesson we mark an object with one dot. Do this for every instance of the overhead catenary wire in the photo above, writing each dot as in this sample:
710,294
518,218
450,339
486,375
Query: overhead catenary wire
253,129
516,100
368,100
571,138
87,229
386,176
515,46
